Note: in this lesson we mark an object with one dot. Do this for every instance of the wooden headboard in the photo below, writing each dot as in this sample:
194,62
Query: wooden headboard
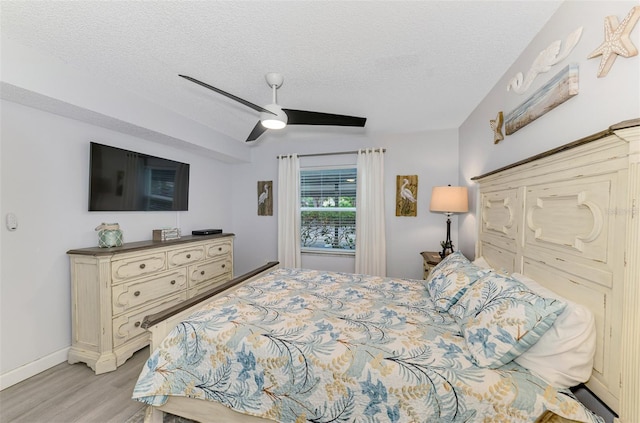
569,219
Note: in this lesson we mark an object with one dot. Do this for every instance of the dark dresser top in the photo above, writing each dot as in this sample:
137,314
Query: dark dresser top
144,245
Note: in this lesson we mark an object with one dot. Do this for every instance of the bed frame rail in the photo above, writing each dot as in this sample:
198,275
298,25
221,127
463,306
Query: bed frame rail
154,319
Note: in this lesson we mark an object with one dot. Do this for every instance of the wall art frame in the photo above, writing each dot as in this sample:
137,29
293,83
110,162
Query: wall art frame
407,195
265,198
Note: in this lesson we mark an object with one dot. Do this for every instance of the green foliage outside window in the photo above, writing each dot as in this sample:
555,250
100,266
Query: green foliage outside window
328,229
328,209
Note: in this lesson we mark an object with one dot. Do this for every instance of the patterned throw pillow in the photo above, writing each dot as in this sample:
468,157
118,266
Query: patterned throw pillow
451,278
500,318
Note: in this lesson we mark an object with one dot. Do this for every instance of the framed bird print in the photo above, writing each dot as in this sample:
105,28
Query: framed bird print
265,198
407,195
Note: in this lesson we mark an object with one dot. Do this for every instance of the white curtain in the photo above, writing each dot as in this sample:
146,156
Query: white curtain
371,254
289,211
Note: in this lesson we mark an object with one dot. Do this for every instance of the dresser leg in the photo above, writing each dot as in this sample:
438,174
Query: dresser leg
99,363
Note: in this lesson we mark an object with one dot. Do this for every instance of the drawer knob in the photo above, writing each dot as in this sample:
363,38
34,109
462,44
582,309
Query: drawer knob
137,324
202,272
219,248
188,255
142,266
137,293
223,266
173,282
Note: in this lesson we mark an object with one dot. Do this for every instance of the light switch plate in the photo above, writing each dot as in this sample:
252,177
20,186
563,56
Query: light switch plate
11,222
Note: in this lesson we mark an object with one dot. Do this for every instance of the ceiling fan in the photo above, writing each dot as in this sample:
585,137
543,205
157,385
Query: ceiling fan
272,116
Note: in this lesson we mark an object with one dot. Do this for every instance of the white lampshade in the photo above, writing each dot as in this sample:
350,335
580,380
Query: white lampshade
277,121
449,199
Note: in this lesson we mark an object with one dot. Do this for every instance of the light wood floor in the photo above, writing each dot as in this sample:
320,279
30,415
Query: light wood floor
69,393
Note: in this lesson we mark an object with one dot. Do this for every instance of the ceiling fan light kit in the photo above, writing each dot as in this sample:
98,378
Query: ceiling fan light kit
277,121
272,116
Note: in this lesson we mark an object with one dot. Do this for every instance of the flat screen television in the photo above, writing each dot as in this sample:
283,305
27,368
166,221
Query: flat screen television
123,180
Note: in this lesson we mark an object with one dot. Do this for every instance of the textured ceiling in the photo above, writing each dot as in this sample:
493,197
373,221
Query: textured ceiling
406,66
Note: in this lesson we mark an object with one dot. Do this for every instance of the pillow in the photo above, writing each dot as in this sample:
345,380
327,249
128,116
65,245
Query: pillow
482,263
450,279
500,318
563,356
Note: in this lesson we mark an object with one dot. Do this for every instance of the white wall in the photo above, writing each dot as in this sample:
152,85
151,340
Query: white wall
600,103
44,181
430,155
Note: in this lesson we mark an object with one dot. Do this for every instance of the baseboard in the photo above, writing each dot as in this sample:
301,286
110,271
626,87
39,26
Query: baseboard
25,372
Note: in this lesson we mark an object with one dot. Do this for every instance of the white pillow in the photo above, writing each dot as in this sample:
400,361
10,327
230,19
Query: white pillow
482,262
563,356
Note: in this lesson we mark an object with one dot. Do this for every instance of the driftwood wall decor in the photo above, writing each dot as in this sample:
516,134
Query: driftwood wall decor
543,63
559,89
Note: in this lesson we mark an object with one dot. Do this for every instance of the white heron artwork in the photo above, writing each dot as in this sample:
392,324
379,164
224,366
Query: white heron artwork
406,195
265,198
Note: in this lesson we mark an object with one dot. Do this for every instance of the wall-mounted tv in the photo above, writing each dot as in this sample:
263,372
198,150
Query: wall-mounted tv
122,180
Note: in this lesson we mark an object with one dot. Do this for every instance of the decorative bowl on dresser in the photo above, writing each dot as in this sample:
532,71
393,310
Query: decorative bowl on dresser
113,289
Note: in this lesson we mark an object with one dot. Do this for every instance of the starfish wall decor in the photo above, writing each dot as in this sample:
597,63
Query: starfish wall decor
496,125
616,40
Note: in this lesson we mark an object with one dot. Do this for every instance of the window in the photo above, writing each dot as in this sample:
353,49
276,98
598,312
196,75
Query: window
328,209
160,188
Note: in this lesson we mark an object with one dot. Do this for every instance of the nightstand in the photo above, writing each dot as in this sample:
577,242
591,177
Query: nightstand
430,260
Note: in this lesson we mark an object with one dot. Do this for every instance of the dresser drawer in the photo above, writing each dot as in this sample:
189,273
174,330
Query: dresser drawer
218,249
127,326
128,295
212,269
136,266
184,256
208,284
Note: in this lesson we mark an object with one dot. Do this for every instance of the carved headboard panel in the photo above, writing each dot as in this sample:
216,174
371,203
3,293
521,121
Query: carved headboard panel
568,219
501,212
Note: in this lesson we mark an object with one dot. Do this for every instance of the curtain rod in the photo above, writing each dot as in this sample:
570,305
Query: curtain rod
335,153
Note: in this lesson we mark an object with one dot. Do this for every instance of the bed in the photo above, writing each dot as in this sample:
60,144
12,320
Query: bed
302,345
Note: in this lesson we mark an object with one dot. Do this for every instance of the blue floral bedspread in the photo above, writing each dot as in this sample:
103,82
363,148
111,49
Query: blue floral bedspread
304,345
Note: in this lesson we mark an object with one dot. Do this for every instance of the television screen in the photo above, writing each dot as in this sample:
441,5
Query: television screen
122,180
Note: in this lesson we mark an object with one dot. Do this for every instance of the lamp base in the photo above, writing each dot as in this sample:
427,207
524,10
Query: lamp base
445,252
447,246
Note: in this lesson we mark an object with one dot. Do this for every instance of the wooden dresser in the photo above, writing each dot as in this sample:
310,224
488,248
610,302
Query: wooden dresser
113,289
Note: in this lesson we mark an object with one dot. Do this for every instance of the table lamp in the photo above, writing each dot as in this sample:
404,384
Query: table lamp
449,200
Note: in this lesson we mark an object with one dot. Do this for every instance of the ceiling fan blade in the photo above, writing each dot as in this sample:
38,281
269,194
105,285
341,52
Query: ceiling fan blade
256,132
303,117
226,94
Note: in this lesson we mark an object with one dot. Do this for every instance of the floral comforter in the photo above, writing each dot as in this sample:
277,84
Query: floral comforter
303,345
